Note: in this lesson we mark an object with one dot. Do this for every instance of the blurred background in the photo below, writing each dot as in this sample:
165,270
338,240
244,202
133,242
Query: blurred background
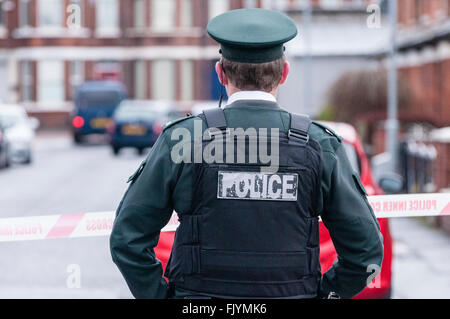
86,85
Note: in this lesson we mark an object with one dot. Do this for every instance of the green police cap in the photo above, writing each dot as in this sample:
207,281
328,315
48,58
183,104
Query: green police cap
252,35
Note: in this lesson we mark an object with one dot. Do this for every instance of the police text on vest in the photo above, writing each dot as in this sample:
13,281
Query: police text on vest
257,186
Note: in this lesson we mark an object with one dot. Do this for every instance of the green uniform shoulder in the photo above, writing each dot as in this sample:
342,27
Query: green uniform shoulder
325,136
328,130
184,123
164,143
177,121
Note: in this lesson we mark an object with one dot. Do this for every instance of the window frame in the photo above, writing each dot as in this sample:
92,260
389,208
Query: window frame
109,29
140,88
155,16
39,20
157,78
27,81
40,75
186,13
141,13
80,3
24,10
3,16
213,13
187,80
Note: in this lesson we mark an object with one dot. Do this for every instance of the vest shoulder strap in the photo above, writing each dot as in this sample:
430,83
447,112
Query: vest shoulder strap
299,127
215,118
216,122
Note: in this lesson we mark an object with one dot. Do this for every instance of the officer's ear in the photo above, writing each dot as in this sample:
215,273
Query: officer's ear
286,69
221,74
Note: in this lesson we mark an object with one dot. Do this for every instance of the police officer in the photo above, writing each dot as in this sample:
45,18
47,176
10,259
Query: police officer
248,228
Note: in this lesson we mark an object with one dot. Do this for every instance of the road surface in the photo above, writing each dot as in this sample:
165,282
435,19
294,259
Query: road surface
65,178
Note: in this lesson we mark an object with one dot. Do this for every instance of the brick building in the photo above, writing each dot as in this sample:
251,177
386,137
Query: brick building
158,48
424,61
155,47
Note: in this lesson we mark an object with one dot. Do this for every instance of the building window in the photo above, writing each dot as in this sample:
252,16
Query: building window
79,4
187,80
5,7
419,9
186,14
3,84
250,3
24,13
107,14
139,14
50,13
26,75
330,4
163,80
76,76
163,15
50,81
140,80
217,7
2,15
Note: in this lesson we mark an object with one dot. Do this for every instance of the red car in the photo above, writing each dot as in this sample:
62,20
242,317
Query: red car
381,286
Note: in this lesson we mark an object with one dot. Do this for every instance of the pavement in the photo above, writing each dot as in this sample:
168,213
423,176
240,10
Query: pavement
65,178
421,267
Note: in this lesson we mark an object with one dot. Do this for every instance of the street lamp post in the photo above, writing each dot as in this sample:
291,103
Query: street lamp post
392,124
307,63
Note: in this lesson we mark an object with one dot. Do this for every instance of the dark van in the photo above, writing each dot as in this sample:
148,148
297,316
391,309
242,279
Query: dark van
94,105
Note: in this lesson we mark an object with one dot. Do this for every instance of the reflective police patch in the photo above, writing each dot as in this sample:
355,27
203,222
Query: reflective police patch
257,186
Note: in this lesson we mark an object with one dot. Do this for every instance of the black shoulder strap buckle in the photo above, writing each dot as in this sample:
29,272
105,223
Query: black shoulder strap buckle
300,125
216,122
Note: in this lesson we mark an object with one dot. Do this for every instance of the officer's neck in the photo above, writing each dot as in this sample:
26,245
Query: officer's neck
231,89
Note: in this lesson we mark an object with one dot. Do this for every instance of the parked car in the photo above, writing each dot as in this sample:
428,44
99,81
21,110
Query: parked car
381,288
4,149
19,130
94,105
138,123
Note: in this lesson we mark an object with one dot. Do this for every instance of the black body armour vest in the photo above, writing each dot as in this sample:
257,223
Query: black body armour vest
252,234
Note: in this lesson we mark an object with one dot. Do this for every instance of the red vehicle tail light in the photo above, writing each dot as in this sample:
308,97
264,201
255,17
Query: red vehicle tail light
111,127
78,122
157,128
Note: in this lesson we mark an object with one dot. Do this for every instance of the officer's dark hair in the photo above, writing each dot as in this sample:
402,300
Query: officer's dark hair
254,76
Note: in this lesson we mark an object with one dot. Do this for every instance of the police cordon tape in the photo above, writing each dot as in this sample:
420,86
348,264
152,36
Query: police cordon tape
101,223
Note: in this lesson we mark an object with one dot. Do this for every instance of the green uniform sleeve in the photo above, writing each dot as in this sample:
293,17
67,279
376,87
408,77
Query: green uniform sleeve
143,212
354,230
